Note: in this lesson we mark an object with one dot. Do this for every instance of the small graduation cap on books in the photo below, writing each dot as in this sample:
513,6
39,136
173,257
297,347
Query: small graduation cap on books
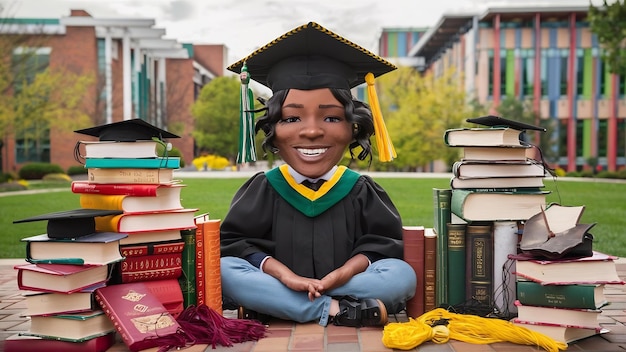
311,57
497,121
71,223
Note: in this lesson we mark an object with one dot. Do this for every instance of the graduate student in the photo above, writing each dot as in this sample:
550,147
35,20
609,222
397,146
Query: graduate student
310,240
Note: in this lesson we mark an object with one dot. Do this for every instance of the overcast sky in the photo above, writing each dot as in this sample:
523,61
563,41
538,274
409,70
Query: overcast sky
243,25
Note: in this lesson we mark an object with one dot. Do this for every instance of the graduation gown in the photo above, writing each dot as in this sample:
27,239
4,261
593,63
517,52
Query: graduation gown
312,232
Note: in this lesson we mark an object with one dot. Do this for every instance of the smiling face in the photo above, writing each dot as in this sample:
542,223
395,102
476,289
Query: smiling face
313,134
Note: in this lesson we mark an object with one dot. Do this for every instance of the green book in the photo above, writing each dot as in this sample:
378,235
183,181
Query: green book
136,163
479,264
187,280
456,263
561,296
442,216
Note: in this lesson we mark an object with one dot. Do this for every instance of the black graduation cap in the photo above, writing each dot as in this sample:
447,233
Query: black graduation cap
127,131
71,223
310,57
495,121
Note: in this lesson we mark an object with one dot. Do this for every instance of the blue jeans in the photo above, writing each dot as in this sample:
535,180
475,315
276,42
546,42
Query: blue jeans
390,280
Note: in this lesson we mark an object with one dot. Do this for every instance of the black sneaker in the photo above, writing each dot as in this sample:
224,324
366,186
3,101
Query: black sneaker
244,313
360,312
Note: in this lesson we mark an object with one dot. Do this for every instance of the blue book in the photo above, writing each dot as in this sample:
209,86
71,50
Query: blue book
137,163
99,248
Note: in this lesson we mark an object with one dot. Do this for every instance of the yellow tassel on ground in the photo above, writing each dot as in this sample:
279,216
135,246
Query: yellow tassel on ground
462,327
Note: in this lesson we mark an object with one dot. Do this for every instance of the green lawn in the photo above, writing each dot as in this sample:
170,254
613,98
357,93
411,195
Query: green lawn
604,203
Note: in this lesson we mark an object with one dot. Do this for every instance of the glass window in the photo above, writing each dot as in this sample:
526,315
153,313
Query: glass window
528,72
490,70
544,72
579,72
603,127
564,60
562,138
621,137
503,80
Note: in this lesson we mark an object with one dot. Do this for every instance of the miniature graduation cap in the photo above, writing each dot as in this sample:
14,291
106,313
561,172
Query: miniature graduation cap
497,121
127,131
71,223
311,57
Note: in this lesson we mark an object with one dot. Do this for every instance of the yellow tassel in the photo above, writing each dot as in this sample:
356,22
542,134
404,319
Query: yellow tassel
462,327
386,151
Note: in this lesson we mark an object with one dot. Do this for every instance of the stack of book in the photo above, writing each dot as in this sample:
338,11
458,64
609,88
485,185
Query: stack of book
65,268
562,298
126,173
494,186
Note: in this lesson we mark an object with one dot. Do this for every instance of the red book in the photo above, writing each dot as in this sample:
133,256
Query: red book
138,316
150,248
145,222
122,189
63,278
169,293
151,267
21,343
413,237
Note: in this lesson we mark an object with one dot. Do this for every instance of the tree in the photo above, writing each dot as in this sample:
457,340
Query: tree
216,112
418,109
609,24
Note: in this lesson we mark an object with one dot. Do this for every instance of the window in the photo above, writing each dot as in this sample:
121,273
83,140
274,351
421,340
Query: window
562,150
503,72
579,72
603,126
563,66
528,72
490,70
580,135
621,137
544,72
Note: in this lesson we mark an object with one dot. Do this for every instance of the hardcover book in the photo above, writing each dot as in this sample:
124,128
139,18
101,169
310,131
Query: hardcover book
97,249
489,136
122,189
187,279
24,343
149,221
495,153
150,248
168,292
456,263
561,332
130,176
511,184
138,316
442,217
430,269
473,205
61,278
40,303
587,318
495,169
138,163
413,237
200,265
561,296
166,198
73,327
151,267
115,149
479,263
598,269
158,236
212,272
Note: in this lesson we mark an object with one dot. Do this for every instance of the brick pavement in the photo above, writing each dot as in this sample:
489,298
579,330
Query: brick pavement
286,336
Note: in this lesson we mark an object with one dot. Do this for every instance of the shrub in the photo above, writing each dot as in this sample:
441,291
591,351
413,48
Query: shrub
210,162
175,152
12,186
606,174
621,174
36,171
77,170
6,177
57,178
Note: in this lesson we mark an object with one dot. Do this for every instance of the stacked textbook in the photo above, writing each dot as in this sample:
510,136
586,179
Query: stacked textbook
494,187
560,279
65,267
129,171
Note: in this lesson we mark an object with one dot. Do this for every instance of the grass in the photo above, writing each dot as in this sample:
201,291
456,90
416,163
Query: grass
604,203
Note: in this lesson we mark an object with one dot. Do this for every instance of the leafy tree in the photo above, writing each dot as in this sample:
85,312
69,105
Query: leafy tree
609,24
418,109
216,112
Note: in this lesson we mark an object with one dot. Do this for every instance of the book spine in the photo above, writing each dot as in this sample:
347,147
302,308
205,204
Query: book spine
187,280
456,263
413,238
138,250
151,262
136,190
108,223
212,272
441,199
98,201
430,273
128,176
151,275
200,270
115,319
479,265
560,296
143,163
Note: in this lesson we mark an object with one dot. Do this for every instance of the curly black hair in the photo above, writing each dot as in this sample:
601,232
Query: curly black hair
358,114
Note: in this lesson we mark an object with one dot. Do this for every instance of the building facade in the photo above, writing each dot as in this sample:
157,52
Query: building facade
139,74
547,55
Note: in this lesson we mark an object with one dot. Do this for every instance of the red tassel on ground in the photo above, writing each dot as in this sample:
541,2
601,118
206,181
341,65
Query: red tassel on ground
206,326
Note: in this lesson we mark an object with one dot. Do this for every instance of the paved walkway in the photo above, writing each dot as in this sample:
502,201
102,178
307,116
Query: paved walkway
286,336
